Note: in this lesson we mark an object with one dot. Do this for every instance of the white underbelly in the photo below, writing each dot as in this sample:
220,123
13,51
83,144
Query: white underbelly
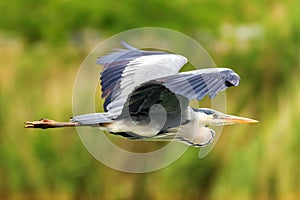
131,126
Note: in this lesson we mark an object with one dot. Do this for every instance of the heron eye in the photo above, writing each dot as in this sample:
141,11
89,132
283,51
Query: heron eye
215,116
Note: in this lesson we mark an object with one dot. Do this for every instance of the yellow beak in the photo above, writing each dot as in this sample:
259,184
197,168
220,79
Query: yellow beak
240,120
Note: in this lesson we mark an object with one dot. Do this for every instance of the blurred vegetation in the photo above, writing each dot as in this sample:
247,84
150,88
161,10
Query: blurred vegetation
42,44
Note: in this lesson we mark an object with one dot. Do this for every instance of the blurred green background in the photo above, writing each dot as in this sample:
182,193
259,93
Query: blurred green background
42,44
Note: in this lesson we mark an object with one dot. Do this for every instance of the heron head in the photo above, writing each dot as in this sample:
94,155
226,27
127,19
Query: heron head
216,118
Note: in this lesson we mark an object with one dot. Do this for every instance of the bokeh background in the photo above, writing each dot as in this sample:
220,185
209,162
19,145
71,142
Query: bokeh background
42,44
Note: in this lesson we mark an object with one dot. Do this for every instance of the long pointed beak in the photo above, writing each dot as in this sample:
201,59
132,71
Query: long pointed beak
236,119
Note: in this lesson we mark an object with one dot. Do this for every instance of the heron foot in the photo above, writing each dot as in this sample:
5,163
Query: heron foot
42,123
48,123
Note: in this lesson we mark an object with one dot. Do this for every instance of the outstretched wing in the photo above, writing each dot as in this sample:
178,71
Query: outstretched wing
124,69
174,92
198,83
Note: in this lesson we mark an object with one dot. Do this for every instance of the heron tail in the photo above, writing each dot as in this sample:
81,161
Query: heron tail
92,119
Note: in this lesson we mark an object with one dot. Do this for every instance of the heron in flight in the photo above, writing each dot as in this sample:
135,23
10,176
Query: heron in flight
147,98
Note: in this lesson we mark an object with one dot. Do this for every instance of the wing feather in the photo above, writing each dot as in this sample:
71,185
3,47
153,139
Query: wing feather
198,83
140,102
125,69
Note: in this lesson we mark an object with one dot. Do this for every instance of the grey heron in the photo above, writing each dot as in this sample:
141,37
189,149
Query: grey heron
147,98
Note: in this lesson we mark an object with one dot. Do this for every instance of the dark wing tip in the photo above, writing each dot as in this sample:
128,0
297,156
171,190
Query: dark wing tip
233,79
